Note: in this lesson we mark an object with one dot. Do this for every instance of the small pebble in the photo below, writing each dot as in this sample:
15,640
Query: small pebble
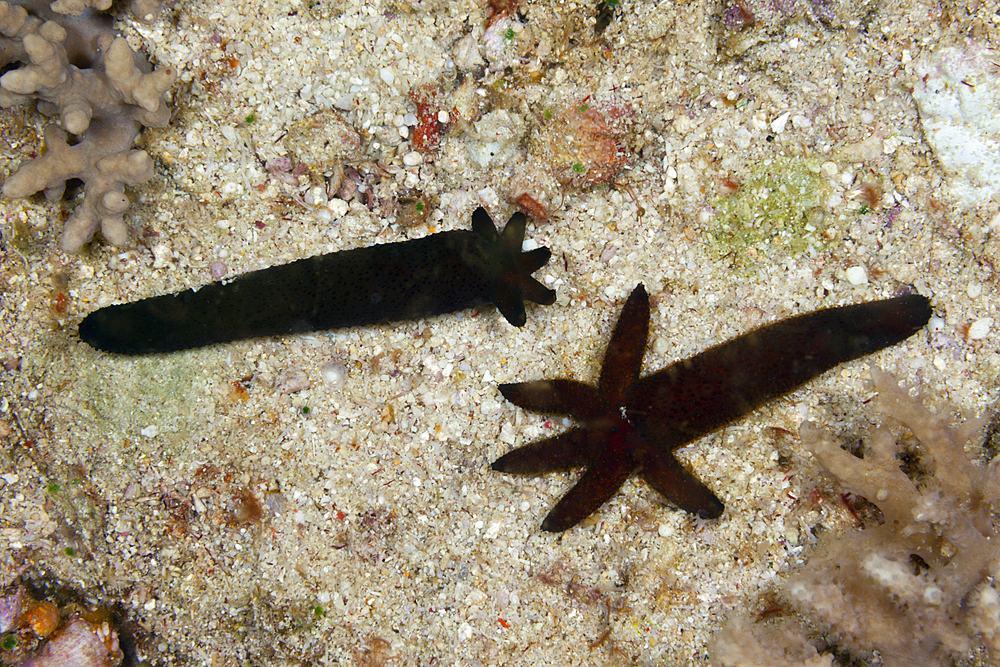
334,374
856,275
413,159
980,328
217,269
150,431
291,380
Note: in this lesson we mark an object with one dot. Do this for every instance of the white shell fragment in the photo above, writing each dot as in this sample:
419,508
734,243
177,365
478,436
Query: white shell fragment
291,380
980,328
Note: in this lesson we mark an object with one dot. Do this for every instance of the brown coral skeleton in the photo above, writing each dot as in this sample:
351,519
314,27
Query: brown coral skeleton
97,89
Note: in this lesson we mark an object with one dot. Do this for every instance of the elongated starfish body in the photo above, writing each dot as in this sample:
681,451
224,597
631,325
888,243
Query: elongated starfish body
437,274
631,425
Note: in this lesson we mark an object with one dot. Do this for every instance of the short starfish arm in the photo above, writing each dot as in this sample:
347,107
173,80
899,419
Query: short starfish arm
535,259
562,452
511,269
623,358
601,481
560,397
667,476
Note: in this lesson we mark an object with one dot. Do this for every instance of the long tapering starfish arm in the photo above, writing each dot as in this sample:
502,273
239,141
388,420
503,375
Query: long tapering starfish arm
623,358
559,397
698,395
572,449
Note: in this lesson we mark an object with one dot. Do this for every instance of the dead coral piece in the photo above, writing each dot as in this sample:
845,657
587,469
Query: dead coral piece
38,634
919,587
323,141
744,644
746,23
105,105
584,145
82,644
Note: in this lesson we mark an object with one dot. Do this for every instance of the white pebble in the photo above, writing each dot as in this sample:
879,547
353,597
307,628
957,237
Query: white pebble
387,76
413,159
856,275
150,431
334,374
338,208
980,328
443,116
974,290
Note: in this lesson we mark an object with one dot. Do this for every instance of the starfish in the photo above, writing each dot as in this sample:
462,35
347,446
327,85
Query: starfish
631,425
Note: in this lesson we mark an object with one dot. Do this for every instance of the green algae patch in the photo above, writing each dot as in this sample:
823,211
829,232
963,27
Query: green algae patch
151,401
776,209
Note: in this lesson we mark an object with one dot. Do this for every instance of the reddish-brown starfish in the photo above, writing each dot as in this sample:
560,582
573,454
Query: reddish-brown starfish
631,425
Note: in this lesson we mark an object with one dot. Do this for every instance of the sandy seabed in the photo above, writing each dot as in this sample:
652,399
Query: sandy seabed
755,174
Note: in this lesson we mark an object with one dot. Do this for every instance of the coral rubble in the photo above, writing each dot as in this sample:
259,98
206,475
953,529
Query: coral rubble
918,588
957,91
36,634
101,93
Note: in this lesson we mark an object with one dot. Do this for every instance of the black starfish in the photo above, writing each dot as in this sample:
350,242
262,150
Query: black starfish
632,425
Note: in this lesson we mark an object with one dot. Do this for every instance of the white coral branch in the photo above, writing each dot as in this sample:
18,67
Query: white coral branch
48,68
944,444
138,87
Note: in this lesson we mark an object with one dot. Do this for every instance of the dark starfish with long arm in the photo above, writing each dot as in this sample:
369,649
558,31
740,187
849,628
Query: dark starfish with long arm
631,425
437,274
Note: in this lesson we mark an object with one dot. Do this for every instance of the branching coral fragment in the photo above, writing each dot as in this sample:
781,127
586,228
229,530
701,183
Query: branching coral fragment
100,108
865,587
